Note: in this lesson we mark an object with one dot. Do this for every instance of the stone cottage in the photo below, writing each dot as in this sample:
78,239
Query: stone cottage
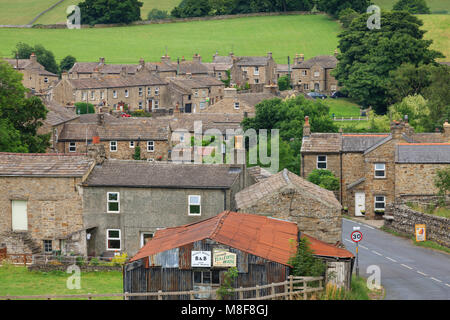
125,202
41,202
314,74
375,169
287,196
35,77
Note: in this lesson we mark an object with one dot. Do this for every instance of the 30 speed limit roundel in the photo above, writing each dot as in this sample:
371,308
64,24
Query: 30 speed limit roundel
356,236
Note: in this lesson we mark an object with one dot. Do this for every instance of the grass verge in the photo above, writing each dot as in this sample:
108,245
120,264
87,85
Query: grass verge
359,291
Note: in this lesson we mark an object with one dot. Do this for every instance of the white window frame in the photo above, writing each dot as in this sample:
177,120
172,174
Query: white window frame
256,71
102,95
149,91
194,204
127,93
92,95
236,105
322,161
256,81
114,94
305,86
304,72
155,104
84,96
141,104
151,144
316,74
181,137
141,92
108,238
111,146
72,147
45,80
142,237
379,170
375,201
108,201
156,91
19,218
132,144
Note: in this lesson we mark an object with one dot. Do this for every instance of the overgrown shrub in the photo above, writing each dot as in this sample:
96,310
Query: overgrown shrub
325,179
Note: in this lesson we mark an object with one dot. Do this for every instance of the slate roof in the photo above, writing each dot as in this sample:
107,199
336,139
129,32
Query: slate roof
58,114
327,62
44,165
195,83
142,174
217,66
252,61
218,121
223,59
322,142
274,185
89,67
258,173
253,98
283,68
261,236
361,142
116,82
130,130
192,67
423,153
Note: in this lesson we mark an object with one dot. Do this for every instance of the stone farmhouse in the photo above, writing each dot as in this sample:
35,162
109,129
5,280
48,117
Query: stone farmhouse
125,202
194,94
41,202
376,169
119,138
141,92
287,196
314,74
239,103
35,77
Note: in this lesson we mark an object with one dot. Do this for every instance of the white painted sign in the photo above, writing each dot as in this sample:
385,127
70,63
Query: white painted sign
224,258
201,259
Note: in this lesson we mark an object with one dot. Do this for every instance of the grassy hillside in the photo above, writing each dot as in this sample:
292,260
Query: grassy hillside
437,6
22,11
438,27
58,14
283,35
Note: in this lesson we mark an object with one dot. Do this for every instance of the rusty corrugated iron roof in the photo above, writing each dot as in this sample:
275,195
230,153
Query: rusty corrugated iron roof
324,249
268,238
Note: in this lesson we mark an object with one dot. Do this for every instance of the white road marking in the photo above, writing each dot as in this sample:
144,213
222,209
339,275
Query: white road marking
363,246
424,274
377,253
448,285
435,279
391,259
404,265
369,227
348,240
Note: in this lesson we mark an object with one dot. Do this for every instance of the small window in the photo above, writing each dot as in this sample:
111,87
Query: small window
256,73
206,277
45,80
48,246
146,237
113,201
126,93
113,241
92,95
150,146
84,96
114,94
131,144
72,147
189,97
236,105
306,86
219,75
196,93
321,162
113,146
333,88
194,205
380,203
149,91
140,92
140,105
304,72
256,81
182,137
380,170
156,105
316,73
156,91
102,95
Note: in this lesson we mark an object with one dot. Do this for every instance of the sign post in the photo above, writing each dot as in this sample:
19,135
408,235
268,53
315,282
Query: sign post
356,237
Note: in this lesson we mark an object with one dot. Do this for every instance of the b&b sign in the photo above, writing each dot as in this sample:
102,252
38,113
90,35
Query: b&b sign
201,259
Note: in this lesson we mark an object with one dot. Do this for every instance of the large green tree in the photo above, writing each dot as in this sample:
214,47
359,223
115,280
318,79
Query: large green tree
110,11
67,63
369,55
412,6
334,7
44,56
24,115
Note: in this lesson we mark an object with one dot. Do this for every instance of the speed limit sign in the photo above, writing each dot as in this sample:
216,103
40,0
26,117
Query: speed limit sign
356,236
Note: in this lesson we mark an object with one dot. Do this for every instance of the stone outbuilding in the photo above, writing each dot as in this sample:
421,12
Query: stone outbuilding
290,197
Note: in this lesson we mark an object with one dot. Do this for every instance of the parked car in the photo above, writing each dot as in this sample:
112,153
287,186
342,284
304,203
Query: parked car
338,94
125,115
316,95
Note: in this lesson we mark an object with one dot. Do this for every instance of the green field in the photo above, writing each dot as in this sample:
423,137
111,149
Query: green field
435,5
342,107
438,27
283,35
17,280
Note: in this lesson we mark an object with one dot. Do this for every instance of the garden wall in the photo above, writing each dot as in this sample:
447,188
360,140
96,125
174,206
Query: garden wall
399,217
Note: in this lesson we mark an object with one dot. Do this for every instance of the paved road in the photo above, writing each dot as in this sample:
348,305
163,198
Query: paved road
408,272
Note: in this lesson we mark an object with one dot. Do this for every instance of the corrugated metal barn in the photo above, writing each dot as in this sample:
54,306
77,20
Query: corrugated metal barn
188,257
262,248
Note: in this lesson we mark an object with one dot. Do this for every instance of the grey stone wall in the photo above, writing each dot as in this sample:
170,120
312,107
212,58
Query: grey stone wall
404,219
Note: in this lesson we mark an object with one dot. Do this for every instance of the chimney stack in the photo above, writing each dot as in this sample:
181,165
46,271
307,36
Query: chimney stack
197,58
335,53
301,57
123,72
100,119
142,62
446,131
165,58
306,128
397,129
269,55
65,75
96,73
96,151
101,61
33,58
